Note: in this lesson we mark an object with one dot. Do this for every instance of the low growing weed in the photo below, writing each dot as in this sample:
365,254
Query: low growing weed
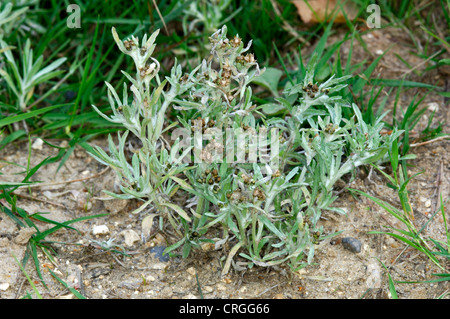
261,178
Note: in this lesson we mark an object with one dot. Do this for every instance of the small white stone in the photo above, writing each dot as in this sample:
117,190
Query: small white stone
4,286
428,203
374,276
130,237
100,230
37,145
433,107
58,272
150,278
379,52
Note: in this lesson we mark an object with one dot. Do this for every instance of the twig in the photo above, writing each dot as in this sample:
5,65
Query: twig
161,17
268,289
66,182
80,281
438,186
288,27
441,35
118,261
421,63
39,200
430,141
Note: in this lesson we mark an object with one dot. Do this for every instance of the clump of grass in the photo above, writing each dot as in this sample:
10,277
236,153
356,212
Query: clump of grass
411,236
9,206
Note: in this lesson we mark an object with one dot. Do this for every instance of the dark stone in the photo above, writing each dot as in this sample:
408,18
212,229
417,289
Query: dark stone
352,244
158,251
70,95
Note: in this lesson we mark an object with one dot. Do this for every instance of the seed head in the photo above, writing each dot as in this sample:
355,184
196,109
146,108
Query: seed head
236,41
240,59
128,44
249,58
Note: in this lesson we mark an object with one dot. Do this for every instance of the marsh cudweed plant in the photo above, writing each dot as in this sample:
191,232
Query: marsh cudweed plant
22,76
207,15
257,183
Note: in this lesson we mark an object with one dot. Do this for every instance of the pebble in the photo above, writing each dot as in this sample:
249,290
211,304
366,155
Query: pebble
158,253
352,244
159,240
100,230
37,145
4,286
24,235
130,237
433,106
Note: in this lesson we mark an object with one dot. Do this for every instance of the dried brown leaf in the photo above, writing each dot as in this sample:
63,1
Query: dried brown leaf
314,11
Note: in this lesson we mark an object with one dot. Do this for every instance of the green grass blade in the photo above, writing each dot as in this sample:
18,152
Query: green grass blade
11,138
391,282
403,239
362,80
72,290
17,118
47,232
36,291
